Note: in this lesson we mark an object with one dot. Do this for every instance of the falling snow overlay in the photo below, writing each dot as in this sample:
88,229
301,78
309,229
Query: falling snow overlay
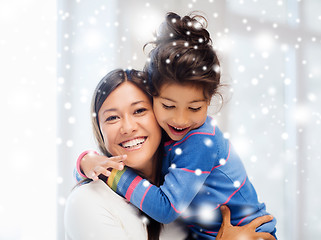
53,54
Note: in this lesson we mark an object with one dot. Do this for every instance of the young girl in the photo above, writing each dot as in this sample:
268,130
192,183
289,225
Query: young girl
202,171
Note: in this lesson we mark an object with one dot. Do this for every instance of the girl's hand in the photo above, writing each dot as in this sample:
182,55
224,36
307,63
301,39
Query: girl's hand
230,232
93,165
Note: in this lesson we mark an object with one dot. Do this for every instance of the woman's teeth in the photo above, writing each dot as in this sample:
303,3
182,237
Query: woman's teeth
133,143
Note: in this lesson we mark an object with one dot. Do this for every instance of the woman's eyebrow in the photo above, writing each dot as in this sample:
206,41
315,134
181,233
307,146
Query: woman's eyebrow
110,110
115,109
134,103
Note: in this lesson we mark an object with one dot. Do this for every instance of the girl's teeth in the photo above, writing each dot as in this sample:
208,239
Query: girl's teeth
178,129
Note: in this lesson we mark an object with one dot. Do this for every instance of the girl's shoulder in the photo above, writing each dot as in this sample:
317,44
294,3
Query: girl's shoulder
208,129
208,133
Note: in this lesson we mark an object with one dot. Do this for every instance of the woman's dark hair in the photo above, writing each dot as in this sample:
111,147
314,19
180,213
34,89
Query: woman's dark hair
183,54
104,88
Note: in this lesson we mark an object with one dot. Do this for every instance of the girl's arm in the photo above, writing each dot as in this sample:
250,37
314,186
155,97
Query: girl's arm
230,232
190,168
90,165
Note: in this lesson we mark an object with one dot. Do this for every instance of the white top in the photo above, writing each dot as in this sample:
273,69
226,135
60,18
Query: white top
94,211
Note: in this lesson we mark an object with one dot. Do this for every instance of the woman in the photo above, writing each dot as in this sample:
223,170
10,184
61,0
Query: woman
124,123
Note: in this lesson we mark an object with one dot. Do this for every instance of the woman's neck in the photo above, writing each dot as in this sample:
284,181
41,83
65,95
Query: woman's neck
149,170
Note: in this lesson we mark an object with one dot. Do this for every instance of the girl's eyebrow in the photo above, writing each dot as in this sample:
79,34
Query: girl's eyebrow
194,101
168,99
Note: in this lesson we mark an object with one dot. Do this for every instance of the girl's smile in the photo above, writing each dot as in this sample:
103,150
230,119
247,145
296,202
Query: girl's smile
180,109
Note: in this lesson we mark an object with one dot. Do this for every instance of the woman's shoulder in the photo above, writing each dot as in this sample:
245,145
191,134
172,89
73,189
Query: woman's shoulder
108,212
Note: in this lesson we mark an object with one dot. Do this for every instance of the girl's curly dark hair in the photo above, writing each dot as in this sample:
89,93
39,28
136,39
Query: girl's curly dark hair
183,54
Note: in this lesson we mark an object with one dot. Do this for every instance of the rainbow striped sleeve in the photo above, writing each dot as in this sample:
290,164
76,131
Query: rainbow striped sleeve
77,176
129,184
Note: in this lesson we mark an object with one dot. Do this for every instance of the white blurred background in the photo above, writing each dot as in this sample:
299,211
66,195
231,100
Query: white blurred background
53,53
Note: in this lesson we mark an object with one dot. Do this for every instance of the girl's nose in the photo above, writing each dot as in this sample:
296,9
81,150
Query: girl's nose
181,119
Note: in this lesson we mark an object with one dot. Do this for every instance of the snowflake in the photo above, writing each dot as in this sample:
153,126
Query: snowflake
206,213
217,68
60,180
208,142
198,172
222,161
226,135
69,143
62,201
178,151
146,183
284,136
265,110
237,184
145,220
67,105
71,120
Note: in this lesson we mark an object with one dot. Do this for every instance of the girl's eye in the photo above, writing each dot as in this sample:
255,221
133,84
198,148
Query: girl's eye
111,118
140,110
167,107
195,109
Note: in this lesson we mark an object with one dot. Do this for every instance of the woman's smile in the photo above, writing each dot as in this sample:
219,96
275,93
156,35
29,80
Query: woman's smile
133,144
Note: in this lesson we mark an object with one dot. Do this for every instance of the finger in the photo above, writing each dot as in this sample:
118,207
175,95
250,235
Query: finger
93,176
265,236
119,158
112,164
226,215
104,171
259,221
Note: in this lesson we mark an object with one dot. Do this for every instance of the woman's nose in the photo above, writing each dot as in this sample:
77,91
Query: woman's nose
128,126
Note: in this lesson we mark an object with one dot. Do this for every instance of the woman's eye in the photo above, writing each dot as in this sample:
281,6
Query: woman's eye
195,109
141,110
167,106
111,118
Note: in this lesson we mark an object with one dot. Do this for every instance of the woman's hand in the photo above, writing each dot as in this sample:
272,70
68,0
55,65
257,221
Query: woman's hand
230,232
93,165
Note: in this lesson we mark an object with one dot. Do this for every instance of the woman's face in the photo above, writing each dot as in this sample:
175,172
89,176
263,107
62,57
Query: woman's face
128,126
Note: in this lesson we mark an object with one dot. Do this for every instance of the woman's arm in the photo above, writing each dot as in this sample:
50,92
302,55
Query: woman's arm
230,232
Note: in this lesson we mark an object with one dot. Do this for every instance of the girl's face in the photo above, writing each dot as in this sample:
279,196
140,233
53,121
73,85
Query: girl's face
179,109
128,126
